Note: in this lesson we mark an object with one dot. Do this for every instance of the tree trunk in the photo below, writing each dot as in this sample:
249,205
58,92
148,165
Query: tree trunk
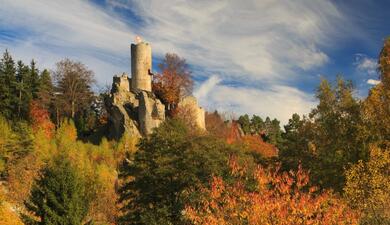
73,110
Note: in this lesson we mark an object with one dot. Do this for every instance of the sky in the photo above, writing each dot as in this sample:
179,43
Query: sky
263,57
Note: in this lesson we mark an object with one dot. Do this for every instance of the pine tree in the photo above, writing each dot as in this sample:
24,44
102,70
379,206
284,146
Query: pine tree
23,89
245,123
58,196
34,80
8,99
45,93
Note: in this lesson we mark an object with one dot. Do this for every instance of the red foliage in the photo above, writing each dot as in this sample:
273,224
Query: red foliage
40,119
280,198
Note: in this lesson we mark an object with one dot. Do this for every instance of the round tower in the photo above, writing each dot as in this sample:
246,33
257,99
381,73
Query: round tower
141,67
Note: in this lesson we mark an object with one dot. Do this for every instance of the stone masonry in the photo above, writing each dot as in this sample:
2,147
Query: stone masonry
133,108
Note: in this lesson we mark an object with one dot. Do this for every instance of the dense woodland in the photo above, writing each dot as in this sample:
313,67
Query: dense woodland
331,166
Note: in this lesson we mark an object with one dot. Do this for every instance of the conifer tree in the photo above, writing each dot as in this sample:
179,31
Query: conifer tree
23,89
45,93
58,196
8,100
34,80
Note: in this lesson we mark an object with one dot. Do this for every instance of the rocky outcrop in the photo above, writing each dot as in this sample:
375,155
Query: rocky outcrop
133,108
130,113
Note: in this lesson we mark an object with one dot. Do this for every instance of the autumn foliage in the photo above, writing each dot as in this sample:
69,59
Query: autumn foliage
279,198
174,81
256,144
40,119
252,142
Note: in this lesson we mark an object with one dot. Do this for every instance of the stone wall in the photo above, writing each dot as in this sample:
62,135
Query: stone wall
191,103
133,108
141,67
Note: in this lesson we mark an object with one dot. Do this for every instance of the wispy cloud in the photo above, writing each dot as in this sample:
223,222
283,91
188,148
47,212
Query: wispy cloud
262,45
51,30
203,90
365,64
260,40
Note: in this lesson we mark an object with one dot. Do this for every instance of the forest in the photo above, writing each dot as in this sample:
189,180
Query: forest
59,166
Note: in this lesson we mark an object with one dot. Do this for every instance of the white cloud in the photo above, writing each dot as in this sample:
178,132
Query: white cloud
55,29
261,40
366,64
373,82
248,42
277,101
207,86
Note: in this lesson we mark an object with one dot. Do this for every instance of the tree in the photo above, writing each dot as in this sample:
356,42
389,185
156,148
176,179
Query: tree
257,124
245,123
335,143
376,110
295,147
174,81
216,125
46,89
368,184
58,196
273,133
166,171
23,89
330,139
279,198
8,99
40,119
34,80
8,144
7,216
73,83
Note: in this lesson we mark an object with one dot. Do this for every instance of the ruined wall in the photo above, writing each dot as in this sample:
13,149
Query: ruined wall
141,67
133,108
191,103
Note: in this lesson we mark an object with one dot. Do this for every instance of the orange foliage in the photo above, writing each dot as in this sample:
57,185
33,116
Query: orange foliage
253,142
7,216
21,177
256,143
174,81
40,119
216,125
280,198
234,133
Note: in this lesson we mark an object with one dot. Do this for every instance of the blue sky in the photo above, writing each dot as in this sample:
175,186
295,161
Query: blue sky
262,57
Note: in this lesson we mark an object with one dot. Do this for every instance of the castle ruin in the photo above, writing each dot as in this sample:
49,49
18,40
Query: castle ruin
133,108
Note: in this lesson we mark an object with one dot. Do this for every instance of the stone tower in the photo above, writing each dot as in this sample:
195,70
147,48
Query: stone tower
134,110
141,67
